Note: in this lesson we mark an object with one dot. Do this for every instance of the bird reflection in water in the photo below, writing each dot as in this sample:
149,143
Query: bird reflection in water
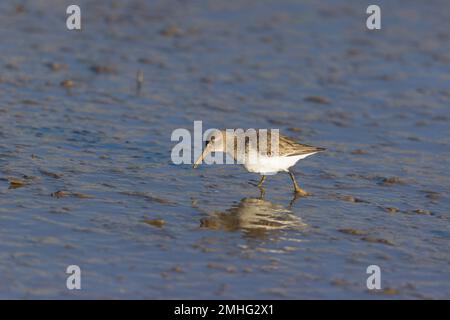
256,217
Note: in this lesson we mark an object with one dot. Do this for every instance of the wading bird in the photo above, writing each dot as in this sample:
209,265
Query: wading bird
264,155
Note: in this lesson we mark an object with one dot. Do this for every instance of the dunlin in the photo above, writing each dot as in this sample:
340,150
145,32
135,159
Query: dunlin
278,154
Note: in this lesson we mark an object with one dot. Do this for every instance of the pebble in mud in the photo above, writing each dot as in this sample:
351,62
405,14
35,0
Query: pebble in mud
295,129
207,80
386,291
390,291
422,211
349,198
16,183
378,240
12,66
62,194
228,269
54,66
159,223
51,174
391,181
171,31
391,209
354,232
339,282
103,69
67,84
176,269
317,99
358,152
156,61
276,291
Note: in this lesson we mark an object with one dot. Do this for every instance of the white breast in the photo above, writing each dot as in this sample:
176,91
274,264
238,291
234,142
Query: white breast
271,165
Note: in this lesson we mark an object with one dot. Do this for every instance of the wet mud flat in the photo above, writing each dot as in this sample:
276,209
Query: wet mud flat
86,176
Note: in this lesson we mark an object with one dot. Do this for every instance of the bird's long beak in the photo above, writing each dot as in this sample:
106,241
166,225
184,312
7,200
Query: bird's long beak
203,155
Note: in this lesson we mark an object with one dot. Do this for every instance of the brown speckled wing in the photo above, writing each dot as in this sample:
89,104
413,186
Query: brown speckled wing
286,147
289,147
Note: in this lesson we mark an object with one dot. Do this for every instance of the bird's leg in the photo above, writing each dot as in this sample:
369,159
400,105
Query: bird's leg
297,189
261,181
262,193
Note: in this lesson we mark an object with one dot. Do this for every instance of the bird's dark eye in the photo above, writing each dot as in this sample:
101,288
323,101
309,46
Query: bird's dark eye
209,141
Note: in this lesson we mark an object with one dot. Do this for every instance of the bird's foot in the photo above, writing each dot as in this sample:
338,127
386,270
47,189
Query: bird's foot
301,193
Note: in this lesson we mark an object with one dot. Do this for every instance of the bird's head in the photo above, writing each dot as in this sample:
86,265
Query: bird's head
215,142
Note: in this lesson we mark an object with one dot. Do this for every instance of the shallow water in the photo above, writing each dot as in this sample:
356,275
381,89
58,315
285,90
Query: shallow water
86,176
